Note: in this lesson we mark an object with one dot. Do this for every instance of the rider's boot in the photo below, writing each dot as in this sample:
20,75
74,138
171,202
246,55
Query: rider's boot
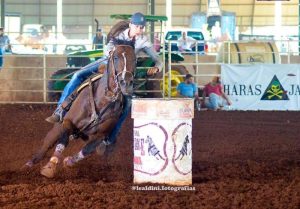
60,112
102,148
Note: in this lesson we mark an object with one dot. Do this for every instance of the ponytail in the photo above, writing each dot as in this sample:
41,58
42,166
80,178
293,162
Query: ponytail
117,29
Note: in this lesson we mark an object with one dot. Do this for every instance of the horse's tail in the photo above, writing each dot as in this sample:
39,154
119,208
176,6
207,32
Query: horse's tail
117,29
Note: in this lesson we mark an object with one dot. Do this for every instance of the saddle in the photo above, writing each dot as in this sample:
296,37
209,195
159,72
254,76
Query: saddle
94,78
86,83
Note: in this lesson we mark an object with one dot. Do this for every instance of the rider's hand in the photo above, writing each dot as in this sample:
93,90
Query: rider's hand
152,71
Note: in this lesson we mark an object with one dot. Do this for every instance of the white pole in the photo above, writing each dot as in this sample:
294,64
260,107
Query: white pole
59,17
169,13
277,20
58,25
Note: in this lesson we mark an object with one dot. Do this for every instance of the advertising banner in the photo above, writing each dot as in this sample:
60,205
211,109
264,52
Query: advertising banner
262,87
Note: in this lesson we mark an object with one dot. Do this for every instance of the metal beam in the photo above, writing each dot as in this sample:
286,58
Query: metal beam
151,6
252,18
3,13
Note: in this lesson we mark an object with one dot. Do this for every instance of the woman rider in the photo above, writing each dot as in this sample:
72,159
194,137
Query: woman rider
132,32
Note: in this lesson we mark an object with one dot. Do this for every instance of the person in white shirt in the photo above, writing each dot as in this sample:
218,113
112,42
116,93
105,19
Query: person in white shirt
186,43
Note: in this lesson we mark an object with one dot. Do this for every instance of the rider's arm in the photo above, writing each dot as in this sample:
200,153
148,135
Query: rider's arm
154,56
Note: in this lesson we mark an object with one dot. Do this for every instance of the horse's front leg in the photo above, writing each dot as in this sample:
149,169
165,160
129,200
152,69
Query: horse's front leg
48,142
49,169
96,142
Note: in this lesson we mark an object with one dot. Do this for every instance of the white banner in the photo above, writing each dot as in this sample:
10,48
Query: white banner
262,87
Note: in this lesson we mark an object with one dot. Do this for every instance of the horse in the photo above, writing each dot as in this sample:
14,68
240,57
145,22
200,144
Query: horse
95,111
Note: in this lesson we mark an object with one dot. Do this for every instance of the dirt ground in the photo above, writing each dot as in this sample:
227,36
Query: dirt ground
240,160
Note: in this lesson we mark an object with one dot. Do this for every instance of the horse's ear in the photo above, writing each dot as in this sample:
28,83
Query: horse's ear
101,69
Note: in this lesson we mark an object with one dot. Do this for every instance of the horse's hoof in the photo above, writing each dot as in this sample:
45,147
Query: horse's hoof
100,149
50,168
69,162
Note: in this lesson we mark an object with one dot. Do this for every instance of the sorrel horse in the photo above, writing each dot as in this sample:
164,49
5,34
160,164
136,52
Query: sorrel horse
96,110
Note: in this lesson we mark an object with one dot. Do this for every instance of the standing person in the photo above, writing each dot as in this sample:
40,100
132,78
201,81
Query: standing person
188,89
4,45
98,40
127,31
216,96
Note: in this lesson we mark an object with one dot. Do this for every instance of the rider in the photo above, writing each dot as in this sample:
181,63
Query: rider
131,32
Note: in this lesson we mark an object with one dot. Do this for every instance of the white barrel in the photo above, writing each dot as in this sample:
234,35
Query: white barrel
249,53
163,141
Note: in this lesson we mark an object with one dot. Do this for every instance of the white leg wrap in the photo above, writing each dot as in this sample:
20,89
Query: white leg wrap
59,148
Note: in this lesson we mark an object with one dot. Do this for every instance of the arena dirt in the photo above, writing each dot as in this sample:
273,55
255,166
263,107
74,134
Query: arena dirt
240,160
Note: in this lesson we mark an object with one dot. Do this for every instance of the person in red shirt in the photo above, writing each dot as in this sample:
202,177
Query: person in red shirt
216,96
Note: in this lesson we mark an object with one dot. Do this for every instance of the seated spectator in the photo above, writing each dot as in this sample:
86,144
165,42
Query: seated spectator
186,43
188,89
216,96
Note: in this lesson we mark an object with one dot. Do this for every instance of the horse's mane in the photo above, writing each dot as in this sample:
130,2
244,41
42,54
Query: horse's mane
123,42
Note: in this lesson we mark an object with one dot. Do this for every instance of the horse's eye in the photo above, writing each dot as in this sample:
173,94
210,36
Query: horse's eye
122,82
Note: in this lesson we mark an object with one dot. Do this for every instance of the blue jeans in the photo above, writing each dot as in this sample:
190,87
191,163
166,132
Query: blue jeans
1,57
79,77
126,109
214,102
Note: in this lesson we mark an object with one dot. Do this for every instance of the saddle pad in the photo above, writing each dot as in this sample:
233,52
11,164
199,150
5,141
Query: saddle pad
86,82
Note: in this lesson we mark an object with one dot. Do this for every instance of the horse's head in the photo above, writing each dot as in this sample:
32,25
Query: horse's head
123,63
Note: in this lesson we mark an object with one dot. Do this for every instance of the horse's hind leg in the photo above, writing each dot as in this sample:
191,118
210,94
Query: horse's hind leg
48,142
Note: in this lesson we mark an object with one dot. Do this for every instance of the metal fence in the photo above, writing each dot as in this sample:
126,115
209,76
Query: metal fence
28,78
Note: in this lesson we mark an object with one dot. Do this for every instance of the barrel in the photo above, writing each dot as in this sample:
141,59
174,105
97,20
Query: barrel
249,53
162,135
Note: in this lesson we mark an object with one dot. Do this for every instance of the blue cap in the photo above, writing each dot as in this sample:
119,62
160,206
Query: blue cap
138,19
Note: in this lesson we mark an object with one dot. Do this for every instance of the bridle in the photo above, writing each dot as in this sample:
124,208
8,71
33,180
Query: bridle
116,74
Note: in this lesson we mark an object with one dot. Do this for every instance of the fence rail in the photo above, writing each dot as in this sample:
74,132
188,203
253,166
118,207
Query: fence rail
26,78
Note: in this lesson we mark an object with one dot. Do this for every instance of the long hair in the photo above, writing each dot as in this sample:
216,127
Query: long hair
117,29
